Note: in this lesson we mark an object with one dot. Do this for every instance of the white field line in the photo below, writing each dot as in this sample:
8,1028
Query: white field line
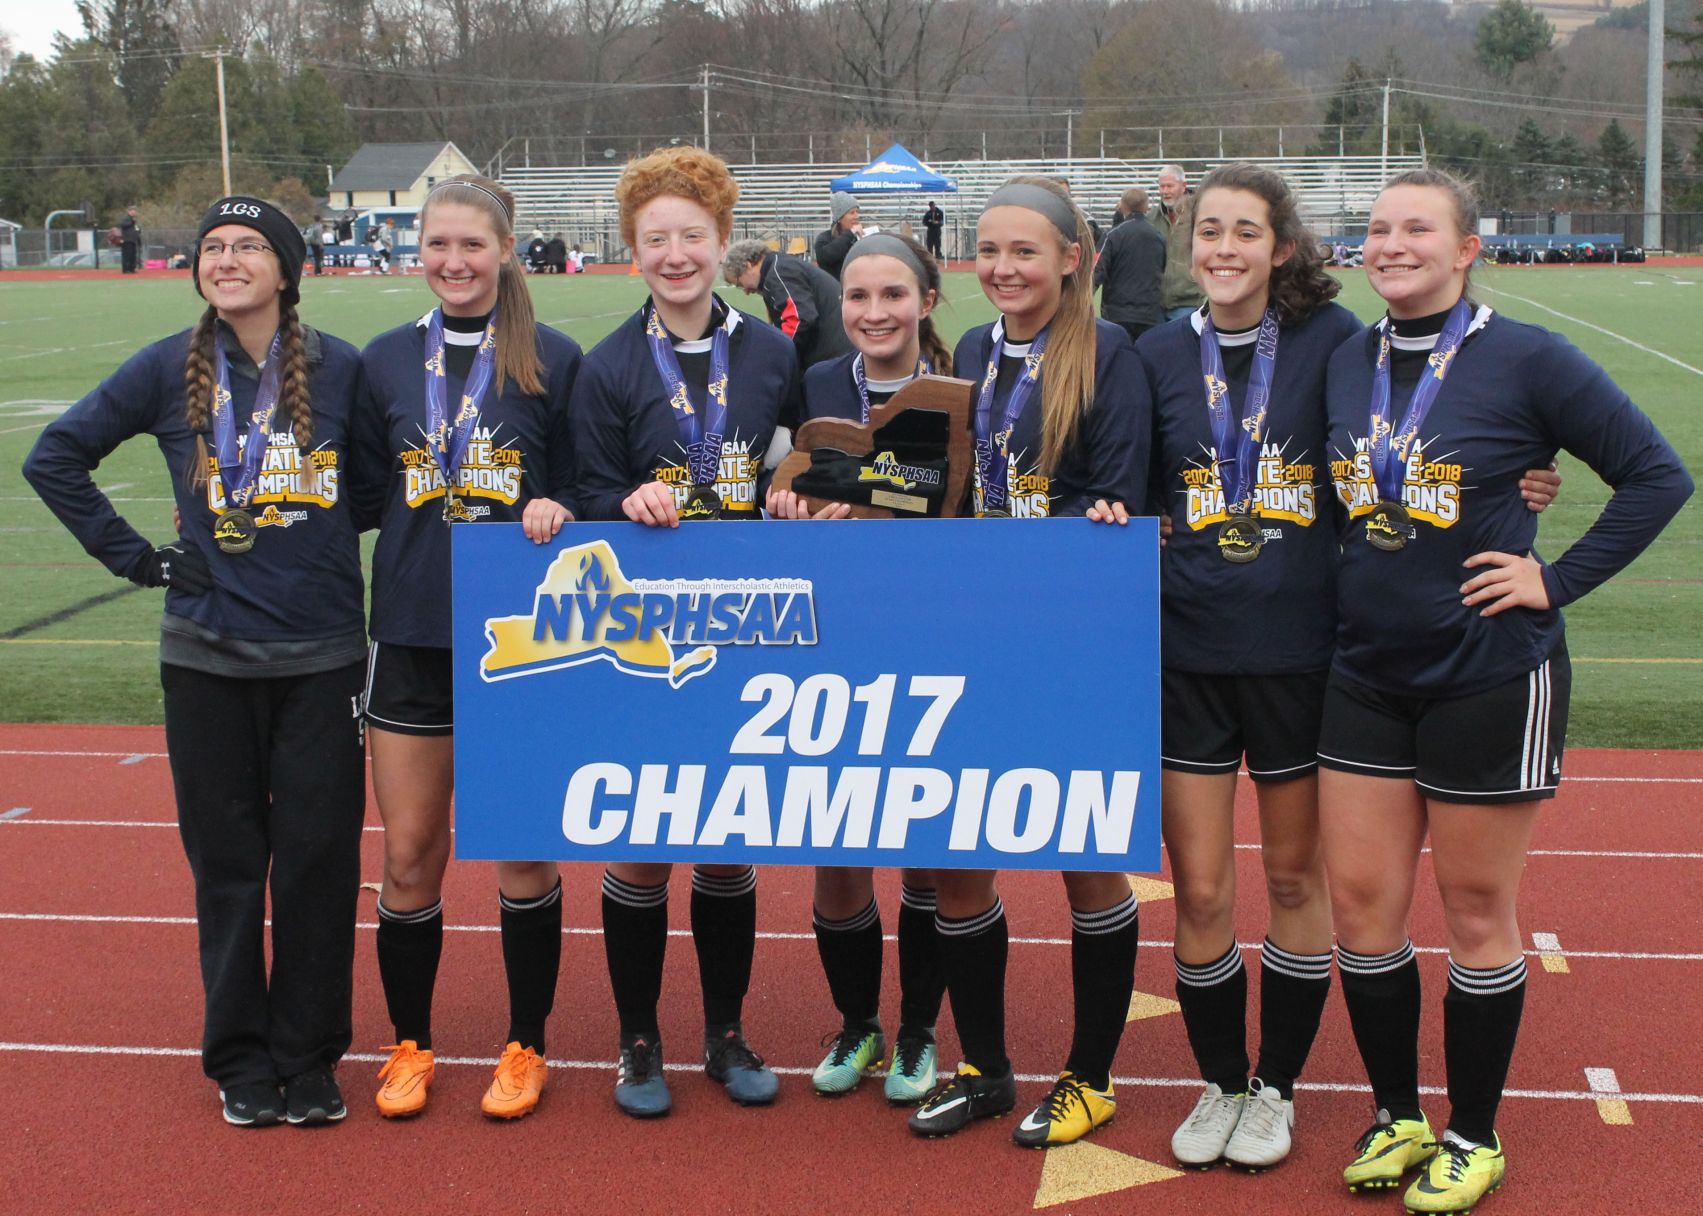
364,1057
766,935
1648,350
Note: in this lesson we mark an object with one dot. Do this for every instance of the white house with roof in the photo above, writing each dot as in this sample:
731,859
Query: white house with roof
395,175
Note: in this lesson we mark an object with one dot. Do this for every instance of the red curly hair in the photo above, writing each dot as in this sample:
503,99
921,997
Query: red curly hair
683,172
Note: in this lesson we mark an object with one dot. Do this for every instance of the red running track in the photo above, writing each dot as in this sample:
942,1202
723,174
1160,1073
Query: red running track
108,1110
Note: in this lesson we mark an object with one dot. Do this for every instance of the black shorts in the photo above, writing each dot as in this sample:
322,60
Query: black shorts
410,689
1500,745
1211,721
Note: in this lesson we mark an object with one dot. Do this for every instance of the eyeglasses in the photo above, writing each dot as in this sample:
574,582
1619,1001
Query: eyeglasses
248,248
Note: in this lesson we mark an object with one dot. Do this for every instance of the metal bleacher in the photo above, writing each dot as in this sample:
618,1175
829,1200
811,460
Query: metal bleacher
782,202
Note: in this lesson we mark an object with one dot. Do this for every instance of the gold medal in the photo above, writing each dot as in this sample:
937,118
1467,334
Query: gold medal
1240,538
234,532
702,502
1389,527
453,510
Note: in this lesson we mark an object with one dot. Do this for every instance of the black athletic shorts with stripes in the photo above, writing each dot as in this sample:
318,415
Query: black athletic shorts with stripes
1211,722
1500,745
410,689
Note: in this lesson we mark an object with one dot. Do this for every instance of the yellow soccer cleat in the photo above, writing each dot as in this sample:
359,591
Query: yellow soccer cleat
1070,1111
519,1083
1457,1178
1387,1150
407,1075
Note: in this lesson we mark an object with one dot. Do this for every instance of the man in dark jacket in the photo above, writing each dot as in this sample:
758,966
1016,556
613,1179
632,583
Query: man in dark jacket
1131,265
130,241
833,245
803,301
933,220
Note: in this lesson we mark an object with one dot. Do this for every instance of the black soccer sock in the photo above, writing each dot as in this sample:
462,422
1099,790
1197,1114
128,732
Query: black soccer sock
1481,1021
1102,977
851,959
1293,988
1382,995
974,949
635,940
724,930
532,960
1214,1000
922,975
409,946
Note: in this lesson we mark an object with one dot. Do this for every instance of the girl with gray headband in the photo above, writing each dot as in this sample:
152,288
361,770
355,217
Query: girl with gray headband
1062,419
889,289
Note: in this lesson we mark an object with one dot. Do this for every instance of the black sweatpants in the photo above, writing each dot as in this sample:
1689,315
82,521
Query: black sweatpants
270,777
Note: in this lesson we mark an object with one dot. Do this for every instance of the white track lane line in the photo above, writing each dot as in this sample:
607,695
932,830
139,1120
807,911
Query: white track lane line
765,935
1245,845
367,1057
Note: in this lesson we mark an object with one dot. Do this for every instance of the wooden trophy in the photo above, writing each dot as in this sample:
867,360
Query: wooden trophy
911,460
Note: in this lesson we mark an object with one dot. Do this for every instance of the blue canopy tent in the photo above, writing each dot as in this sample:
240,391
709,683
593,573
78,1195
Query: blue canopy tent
895,171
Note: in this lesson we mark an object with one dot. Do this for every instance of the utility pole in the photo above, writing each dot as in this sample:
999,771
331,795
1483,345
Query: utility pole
224,126
1653,128
706,107
1384,148
1069,134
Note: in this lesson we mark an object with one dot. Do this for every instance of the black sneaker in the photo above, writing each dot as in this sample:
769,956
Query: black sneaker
313,1097
960,1099
729,1060
257,1104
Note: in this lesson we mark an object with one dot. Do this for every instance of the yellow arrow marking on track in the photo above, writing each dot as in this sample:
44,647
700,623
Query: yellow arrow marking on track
1145,1005
1083,1170
1146,888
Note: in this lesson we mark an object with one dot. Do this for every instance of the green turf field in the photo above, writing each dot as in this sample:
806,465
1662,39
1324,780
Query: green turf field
1637,644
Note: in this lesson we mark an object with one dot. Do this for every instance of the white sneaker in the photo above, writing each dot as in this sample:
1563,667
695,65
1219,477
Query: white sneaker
1202,1137
1262,1134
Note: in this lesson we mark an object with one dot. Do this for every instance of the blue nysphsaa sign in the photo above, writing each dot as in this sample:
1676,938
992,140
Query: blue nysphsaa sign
932,693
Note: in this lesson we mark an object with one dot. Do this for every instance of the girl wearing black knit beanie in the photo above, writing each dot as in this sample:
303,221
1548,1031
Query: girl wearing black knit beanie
261,647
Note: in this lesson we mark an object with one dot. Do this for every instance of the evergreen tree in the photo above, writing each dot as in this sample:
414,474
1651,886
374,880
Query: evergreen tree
144,46
1618,158
1532,153
1510,34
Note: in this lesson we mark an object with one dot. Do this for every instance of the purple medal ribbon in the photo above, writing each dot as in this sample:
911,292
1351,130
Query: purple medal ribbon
990,457
702,436
862,382
239,473
1237,443
446,439
1390,447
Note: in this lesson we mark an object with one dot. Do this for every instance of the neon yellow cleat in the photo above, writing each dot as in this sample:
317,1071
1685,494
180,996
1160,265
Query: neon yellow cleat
1457,1178
1387,1150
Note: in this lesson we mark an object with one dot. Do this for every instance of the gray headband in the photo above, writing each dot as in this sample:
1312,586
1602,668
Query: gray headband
1062,212
490,194
888,246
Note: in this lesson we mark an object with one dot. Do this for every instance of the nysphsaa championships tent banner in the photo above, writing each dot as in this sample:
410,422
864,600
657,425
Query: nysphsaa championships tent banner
948,693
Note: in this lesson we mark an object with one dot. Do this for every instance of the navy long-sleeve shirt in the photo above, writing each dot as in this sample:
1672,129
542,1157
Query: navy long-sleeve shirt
625,433
1514,395
521,449
1109,456
301,582
1276,614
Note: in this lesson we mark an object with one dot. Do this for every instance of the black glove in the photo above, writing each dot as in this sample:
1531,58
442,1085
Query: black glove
176,565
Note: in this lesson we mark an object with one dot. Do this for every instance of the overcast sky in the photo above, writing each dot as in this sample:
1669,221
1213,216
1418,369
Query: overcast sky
32,25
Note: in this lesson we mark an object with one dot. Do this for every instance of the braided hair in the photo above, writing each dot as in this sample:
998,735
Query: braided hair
295,404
